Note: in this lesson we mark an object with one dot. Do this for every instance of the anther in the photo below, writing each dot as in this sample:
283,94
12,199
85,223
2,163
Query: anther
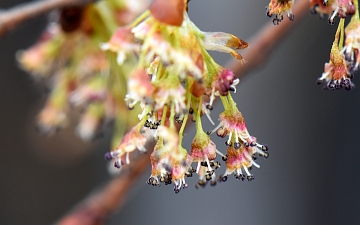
228,143
268,12
291,16
191,111
223,178
265,148
207,177
237,145
266,155
246,144
108,156
224,158
149,181
130,106
162,179
242,177
213,182
209,107
250,177
176,190
319,81
201,183
117,164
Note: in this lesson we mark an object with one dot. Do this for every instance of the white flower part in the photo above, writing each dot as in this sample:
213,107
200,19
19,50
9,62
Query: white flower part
183,63
153,68
233,85
84,94
207,111
121,49
171,95
170,137
120,57
141,30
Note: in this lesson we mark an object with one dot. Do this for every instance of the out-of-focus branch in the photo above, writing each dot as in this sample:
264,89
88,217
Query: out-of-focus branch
262,44
11,18
97,207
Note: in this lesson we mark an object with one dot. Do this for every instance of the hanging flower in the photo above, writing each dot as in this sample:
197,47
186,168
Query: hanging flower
337,72
278,8
242,159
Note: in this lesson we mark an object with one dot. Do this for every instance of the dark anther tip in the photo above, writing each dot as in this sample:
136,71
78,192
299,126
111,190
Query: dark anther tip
224,158
266,155
265,148
209,107
108,156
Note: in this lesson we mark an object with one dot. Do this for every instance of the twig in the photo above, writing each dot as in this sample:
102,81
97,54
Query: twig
97,207
11,18
262,44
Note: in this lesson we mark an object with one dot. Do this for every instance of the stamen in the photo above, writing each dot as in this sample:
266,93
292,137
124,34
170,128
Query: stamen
127,158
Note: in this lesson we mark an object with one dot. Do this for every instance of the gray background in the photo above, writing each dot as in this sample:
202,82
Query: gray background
311,176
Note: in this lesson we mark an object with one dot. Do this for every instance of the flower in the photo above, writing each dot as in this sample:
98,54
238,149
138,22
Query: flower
122,43
203,152
352,44
140,88
242,159
134,139
169,90
221,83
342,8
170,162
278,7
336,73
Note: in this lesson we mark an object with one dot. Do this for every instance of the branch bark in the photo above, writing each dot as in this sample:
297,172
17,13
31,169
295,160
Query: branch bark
97,207
11,18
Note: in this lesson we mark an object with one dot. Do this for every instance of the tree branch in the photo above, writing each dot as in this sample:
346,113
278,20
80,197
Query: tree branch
97,207
11,18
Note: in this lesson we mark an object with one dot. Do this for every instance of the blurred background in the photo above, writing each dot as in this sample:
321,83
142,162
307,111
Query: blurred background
311,177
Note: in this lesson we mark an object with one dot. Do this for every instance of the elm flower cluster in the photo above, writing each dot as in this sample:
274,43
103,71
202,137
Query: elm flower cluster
79,75
176,78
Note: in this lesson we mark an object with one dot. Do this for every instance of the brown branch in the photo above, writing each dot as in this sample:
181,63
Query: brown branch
11,18
96,208
262,44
